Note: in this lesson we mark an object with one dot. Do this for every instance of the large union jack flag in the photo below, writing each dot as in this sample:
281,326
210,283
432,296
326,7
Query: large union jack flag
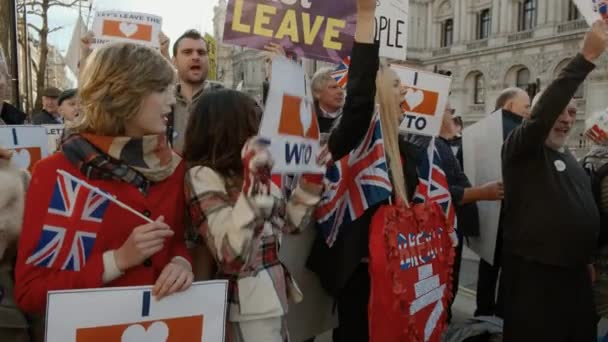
341,72
70,226
433,184
353,184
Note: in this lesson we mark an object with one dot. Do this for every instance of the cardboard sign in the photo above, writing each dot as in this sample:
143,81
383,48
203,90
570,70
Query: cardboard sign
593,10
482,146
130,314
116,26
290,121
54,134
391,28
29,144
425,96
322,30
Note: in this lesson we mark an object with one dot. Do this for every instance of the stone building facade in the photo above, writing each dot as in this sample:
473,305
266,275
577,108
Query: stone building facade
487,45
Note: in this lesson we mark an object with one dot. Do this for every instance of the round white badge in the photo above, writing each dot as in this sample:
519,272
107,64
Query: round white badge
560,165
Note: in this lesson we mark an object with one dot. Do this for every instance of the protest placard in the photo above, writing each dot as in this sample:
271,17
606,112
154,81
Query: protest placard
54,134
481,146
322,30
117,26
28,143
290,121
593,10
131,314
391,28
425,96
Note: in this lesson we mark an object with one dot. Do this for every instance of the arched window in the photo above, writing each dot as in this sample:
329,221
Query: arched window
479,93
522,79
447,33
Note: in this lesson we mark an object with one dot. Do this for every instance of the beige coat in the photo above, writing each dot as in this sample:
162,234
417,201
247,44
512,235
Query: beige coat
13,183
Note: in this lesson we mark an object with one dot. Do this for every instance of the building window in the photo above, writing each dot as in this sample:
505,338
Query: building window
479,95
573,13
447,34
522,79
485,24
527,15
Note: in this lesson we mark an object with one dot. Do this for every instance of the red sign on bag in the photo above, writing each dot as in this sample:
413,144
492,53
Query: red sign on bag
409,302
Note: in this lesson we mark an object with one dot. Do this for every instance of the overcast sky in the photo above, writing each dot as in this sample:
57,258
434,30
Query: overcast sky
178,16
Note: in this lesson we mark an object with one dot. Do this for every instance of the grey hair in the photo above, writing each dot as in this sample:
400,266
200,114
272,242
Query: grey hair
320,79
506,95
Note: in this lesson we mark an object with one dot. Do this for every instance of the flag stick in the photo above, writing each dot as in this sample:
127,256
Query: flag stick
105,195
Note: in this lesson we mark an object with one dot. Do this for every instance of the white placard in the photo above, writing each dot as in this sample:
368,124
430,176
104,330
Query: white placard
54,134
28,143
391,28
425,96
290,121
592,10
117,26
481,148
129,314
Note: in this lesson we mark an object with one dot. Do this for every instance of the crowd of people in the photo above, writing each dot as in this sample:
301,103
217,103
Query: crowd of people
147,128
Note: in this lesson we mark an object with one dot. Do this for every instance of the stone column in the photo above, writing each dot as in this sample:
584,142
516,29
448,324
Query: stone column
497,19
541,11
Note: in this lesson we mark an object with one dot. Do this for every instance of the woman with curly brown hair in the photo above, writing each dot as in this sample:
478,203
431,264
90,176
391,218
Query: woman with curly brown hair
75,239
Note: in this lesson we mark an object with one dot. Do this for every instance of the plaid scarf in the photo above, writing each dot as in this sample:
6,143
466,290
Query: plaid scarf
136,161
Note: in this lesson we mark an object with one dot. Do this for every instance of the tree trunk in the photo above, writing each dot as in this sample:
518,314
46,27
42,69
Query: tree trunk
44,51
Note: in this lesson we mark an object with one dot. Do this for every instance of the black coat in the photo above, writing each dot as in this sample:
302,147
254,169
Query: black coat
335,265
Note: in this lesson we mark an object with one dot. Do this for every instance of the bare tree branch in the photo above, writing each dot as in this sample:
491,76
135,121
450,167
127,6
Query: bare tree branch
55,29
35,12
38,30
58,3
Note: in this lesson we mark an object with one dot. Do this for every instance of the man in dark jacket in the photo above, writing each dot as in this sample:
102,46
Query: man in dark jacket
551,220
49,114
464,195
515,105
329,98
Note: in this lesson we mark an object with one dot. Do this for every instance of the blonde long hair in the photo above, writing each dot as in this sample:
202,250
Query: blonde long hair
390,113
114,83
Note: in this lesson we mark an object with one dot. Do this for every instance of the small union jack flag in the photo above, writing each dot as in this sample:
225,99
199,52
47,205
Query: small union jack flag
354,183
341,72
70,228
433,184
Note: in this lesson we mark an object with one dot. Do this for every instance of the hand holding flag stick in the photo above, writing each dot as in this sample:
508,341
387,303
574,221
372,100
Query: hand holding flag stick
105,195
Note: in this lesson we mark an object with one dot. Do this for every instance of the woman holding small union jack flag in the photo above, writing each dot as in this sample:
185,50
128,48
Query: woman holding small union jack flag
76,238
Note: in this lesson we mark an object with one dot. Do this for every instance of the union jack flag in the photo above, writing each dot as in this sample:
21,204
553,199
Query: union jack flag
70,228
433,184
354,183
341,72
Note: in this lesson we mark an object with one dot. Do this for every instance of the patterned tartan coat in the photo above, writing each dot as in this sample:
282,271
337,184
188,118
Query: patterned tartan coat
245,245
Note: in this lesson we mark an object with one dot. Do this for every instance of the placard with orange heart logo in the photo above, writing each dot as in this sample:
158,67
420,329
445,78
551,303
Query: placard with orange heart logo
183,329
29,144
132,314
117,26
424,97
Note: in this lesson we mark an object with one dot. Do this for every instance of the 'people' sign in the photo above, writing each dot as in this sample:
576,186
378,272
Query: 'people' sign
322,30
290,121
115,26
391,28
425,96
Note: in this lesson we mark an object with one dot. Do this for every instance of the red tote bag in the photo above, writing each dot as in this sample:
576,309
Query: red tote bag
411,257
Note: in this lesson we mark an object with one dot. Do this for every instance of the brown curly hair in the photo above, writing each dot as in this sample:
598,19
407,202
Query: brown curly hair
114,82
